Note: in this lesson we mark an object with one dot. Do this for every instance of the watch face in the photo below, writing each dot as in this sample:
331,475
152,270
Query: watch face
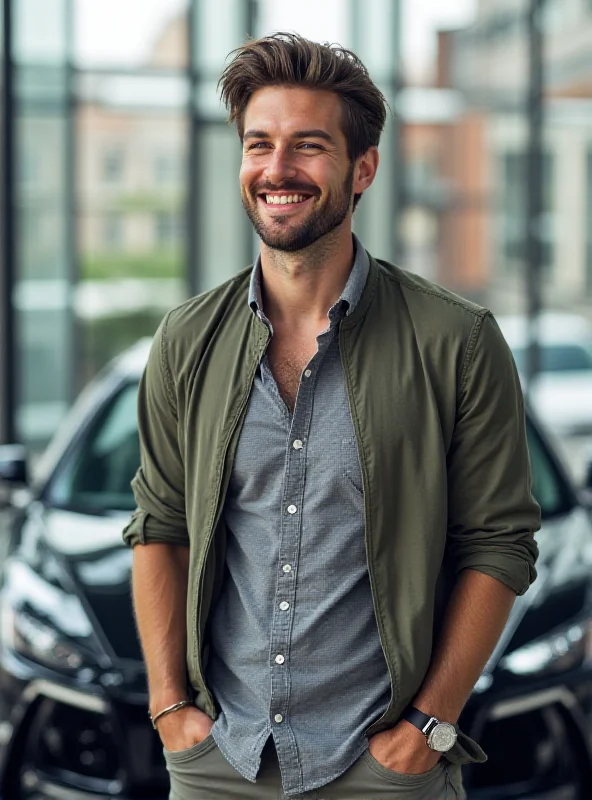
443,737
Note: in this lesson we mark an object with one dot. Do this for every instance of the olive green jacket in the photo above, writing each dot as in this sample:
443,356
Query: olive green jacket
439,420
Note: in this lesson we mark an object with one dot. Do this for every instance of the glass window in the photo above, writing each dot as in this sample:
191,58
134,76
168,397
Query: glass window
131,182
29,167
96,477
112,165
167,170
41,36
43,201
514,207
130,33
167,228
332,25
113,231
558,358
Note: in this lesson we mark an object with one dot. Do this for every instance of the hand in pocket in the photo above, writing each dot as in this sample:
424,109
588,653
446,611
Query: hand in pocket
182,729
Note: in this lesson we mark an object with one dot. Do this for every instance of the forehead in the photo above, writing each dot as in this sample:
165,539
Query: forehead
281,109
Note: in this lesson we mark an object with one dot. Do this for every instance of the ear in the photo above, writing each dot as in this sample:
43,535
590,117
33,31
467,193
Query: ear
365,169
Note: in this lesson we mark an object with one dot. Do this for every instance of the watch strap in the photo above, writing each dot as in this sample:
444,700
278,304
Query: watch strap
419,719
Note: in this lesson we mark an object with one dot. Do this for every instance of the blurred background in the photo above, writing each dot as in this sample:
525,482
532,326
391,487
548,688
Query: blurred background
119,188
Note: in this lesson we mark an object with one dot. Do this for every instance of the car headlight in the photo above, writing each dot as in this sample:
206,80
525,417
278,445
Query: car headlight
33,639
46,624
561,650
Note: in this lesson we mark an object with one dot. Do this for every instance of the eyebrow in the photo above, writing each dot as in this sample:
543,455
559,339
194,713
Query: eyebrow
315,133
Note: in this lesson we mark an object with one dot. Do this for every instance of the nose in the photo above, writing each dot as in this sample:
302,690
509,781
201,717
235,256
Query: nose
279,166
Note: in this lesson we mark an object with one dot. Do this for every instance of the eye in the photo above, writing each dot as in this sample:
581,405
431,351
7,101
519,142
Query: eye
258,145
310,146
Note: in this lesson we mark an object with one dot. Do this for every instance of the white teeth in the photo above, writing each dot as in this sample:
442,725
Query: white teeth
273,199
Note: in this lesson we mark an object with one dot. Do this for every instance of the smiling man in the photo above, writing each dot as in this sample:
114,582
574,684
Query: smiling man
318,184
319,437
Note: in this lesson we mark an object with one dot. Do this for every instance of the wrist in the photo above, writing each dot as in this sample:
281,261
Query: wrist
164,698
170,709
434,708
439,735
413,733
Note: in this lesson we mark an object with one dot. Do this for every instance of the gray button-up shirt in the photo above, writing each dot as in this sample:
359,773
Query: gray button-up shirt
295,650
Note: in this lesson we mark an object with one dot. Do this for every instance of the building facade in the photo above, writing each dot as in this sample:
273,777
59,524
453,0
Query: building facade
488,64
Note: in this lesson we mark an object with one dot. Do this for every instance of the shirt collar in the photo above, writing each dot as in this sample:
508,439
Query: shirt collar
349,297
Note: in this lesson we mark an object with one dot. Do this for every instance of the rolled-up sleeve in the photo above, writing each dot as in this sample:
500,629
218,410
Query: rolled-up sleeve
492,513
159,484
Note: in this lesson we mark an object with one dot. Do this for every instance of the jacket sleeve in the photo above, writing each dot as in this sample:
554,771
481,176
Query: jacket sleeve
159,484
492,515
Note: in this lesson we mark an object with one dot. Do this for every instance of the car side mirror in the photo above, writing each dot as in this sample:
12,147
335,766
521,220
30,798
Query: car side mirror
13,464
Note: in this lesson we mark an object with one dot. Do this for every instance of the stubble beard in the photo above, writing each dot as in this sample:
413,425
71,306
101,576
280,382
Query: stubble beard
278,235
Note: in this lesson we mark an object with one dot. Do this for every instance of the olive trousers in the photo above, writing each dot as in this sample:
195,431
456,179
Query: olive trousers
202,773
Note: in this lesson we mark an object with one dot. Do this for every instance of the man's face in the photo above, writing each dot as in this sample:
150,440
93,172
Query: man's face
296,178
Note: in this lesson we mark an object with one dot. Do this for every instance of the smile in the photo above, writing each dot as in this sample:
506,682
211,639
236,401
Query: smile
283,199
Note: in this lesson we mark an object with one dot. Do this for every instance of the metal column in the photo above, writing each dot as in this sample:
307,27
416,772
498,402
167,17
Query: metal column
7,235
220,239
534,185
375,27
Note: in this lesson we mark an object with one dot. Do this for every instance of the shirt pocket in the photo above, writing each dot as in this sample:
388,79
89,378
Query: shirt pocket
350,463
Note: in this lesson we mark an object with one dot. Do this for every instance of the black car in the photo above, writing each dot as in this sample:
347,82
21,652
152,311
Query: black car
73,697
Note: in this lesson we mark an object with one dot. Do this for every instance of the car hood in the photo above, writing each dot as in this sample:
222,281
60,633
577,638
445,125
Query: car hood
101,568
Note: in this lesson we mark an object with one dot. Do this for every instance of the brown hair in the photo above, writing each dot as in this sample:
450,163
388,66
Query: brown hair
287,59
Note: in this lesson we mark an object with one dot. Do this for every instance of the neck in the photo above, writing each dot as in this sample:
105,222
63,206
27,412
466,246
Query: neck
300,287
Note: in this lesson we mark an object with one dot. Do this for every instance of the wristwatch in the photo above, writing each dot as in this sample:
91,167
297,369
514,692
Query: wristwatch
440,736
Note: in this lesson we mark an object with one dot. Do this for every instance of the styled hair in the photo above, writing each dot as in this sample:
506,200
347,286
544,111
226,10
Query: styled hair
287,59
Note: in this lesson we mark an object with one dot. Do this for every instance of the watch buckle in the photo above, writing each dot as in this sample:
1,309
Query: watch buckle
430,725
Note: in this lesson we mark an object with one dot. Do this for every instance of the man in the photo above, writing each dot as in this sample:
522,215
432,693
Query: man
315,434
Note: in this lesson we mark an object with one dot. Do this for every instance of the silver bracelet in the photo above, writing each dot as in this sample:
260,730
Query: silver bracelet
168,710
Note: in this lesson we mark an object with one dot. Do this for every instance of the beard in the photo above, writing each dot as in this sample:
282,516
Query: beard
282,233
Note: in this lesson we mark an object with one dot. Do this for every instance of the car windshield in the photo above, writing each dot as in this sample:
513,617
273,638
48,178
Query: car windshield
558,358
96,476
549,488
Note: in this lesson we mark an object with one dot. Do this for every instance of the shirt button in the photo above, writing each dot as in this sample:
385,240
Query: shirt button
278,718
297,444
292,509
307,373
287,568
284,606
279,659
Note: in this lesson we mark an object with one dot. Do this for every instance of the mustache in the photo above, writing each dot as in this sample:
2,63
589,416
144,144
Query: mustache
285,186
